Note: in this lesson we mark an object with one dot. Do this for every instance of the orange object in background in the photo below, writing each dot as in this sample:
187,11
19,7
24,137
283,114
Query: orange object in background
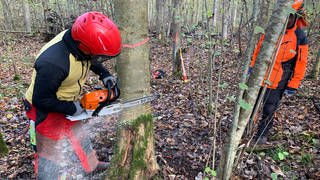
184,73
90,101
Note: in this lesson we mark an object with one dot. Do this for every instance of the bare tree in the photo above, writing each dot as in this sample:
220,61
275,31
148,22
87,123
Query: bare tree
176,59
225,18
159,12
8,21
273,31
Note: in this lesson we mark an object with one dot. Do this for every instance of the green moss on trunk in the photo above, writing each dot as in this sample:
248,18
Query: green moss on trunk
130,160
3,147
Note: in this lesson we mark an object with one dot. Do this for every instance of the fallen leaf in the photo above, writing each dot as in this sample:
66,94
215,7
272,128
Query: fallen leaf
277,170
9,116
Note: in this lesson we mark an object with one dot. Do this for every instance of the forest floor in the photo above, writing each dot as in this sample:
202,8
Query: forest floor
183,125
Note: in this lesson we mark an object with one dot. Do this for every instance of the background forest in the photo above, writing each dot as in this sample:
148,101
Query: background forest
194,115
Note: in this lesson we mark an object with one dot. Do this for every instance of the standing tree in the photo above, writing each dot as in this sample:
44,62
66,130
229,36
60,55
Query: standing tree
225,18
273,31
27,20
7,16
134,154
159,18
176,59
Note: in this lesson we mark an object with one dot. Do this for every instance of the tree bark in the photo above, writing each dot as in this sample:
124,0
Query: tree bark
27,20
316,67
159,15
134,154
264,13
176,59
234,13
216,13
225,18
273,31
8,22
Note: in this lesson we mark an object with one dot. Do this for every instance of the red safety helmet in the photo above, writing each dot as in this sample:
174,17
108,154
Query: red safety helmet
97,34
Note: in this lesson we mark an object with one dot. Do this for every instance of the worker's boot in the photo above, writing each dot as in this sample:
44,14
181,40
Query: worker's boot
261,140
102,166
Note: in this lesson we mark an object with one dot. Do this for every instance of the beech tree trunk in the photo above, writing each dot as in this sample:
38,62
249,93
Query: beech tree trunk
176,61
159,15
275,26
134,154
216,13
225,18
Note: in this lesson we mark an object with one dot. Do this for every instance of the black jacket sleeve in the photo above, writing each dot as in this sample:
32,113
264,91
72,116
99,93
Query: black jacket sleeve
99,70
48,79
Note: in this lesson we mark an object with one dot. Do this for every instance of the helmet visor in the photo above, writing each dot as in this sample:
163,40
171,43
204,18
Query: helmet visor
100,58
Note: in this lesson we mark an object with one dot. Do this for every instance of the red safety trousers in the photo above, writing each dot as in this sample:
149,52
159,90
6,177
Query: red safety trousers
50,133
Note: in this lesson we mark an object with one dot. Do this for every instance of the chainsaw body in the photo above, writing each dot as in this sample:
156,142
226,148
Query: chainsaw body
91,101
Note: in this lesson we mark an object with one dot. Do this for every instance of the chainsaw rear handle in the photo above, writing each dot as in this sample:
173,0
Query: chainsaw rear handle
104,103
113,94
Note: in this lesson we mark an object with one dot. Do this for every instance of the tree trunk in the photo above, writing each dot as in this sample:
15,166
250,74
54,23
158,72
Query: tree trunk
273,31
316,67
264,13
233,18
8,22
3,147
134,154
176,59
225,18
27,20
159,15
216,13
248,54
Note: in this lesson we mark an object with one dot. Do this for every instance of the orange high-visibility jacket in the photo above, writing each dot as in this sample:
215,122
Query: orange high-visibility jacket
294,46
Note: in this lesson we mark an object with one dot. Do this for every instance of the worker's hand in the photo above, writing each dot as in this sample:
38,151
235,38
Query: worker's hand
249,71
290,92
79,108
109,82
116,91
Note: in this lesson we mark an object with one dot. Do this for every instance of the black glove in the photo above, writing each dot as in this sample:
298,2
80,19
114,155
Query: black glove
79,108
109,82
116,91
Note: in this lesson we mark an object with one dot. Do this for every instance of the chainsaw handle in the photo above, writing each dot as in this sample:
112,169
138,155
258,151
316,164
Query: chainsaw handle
104,103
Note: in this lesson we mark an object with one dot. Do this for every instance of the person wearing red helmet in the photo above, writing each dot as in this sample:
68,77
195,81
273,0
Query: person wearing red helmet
288,70
60,71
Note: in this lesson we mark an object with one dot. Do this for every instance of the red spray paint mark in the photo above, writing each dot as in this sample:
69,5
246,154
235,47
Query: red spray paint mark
136,44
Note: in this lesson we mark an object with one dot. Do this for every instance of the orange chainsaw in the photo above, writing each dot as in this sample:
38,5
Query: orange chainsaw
99,103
